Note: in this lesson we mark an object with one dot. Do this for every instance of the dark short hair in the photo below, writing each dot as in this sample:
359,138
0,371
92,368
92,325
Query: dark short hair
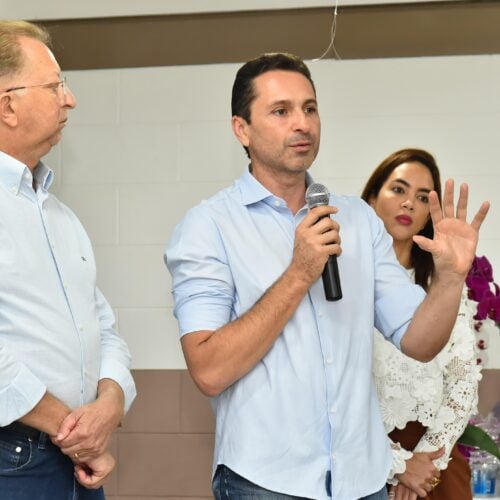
422,261
243,88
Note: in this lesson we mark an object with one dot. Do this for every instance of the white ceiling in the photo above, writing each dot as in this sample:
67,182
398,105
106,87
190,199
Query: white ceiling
64,9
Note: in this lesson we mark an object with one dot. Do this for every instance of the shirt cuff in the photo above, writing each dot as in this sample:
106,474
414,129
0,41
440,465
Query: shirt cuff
399,458
20,397
121,375
208,312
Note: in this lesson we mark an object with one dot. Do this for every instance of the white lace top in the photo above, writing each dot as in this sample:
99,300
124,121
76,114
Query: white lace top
440,394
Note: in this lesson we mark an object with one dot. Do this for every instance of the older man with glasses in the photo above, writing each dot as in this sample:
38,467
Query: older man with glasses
65,381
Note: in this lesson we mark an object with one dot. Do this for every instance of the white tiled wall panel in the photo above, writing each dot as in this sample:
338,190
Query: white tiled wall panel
212,141
176,94
153,327
133,276
132,153
149,212
145,144
55,9
98,97
97,208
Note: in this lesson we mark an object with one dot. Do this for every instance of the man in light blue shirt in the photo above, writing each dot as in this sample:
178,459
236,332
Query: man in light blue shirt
65,379
288,371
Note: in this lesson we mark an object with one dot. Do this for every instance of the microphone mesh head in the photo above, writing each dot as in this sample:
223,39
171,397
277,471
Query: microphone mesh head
317,195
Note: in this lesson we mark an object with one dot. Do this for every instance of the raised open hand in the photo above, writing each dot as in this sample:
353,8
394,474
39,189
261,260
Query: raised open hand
455,240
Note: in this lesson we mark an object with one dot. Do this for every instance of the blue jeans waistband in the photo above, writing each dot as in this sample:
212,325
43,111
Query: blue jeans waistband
23,429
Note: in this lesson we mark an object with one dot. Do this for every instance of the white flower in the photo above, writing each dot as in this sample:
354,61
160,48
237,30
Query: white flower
463,349
396,412
445,416
426,388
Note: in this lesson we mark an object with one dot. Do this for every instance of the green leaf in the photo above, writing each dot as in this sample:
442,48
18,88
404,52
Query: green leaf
476,437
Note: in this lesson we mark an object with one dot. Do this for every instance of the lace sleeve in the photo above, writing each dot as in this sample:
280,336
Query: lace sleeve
399,458
460,381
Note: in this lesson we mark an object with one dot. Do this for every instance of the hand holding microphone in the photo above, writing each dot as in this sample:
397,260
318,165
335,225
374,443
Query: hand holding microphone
318,195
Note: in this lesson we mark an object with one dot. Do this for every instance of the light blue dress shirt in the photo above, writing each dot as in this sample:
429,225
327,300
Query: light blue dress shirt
309,405
56,328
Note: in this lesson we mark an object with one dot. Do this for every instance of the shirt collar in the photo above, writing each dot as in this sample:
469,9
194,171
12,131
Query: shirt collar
252,191
14,173
44,176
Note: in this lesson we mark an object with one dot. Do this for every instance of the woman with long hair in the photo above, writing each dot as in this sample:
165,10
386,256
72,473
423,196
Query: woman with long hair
425,406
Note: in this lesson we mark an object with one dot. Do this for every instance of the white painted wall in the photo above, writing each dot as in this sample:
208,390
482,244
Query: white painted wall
62,9
145,144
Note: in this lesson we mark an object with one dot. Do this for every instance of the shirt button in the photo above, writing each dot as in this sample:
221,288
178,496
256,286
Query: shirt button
329,361
18,449
277,203
334,457
320,314
333,409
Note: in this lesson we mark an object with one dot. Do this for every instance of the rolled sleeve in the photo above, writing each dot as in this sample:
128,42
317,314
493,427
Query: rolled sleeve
203,287
201,307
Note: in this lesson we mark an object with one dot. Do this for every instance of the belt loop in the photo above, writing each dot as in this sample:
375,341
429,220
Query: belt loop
328,483
42,440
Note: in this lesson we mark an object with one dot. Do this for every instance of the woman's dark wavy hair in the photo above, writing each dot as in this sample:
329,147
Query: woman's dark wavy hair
421,260
243,88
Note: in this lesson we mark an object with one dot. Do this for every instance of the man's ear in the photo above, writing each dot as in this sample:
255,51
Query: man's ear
240,129
8,113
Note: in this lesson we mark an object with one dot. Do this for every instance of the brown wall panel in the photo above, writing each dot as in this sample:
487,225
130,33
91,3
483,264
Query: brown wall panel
395,30
170,460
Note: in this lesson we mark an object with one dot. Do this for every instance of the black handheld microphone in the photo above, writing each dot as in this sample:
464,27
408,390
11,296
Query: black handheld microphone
317,195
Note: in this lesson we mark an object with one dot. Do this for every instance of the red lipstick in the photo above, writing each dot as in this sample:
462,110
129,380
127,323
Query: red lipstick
404,219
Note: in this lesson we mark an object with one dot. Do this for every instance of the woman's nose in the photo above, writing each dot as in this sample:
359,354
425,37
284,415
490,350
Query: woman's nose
408,204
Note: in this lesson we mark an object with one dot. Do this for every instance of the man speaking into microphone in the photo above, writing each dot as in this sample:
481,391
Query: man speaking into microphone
288,370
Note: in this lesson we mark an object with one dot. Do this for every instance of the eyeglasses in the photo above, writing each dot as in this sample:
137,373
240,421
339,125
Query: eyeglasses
55,86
